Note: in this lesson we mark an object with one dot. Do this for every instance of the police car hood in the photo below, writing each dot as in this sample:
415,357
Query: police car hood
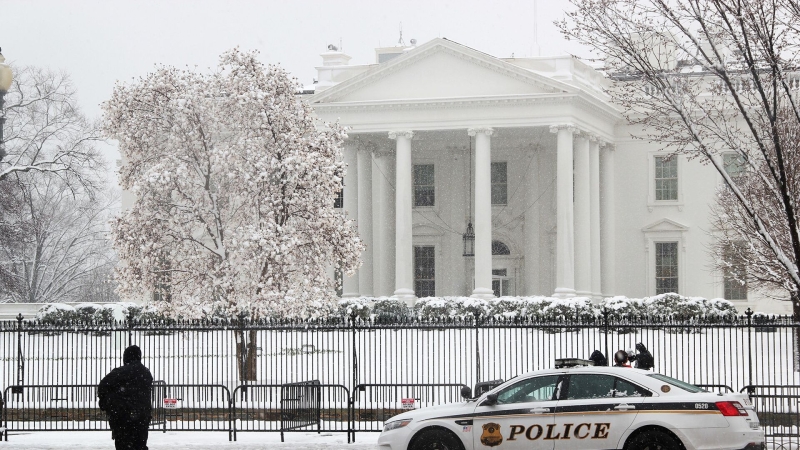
435,411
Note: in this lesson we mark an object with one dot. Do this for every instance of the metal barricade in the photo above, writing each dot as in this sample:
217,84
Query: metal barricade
197,407
373,404
301,405
68,407
778,412
292,407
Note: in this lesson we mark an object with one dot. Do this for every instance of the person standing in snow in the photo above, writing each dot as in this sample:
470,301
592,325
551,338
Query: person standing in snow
598,358
125,396
643,358
621,359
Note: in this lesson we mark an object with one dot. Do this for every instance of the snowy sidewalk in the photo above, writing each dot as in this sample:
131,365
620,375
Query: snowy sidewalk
101,440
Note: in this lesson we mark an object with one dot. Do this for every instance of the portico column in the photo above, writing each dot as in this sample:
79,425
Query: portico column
404,257
483,212
607,227
583,274
383,222
365,279
594,226
565,244
350,283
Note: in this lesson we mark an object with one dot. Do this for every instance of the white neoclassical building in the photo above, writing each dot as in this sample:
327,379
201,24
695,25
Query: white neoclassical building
530,157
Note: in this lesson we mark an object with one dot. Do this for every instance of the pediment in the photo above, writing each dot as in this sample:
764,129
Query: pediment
437,70
665,225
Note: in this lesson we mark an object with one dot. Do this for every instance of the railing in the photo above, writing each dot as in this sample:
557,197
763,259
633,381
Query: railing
347,353
292,407
778,409
373,404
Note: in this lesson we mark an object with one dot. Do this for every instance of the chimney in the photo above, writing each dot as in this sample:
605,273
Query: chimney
334,57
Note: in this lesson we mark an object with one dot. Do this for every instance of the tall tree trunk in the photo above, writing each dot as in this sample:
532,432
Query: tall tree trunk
246,355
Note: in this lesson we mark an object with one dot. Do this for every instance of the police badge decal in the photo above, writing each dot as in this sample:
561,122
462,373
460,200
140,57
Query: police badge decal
491,435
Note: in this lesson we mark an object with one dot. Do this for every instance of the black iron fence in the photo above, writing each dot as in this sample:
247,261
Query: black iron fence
364,367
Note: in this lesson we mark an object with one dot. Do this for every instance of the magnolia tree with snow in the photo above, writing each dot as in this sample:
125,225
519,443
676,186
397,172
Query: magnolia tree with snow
234,195
716,80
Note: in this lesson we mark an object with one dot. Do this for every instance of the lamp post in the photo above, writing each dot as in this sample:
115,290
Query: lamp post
6,77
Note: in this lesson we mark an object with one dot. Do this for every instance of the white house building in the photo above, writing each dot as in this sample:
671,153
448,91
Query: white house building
531,155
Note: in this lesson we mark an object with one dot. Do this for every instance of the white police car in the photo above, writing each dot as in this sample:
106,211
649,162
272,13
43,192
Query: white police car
583,408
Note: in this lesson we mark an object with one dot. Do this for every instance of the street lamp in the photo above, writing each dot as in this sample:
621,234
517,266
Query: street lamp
5,84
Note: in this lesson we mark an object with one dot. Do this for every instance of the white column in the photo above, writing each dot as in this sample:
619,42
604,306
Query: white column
607,226
383,223
583,274
594,215
483,212
350,283
565,243
365,281
404,255
533,252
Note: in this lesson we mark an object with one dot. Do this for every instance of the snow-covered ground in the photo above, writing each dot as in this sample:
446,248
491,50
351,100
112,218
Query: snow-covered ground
101,440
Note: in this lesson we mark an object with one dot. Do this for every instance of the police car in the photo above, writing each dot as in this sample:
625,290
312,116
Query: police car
582,407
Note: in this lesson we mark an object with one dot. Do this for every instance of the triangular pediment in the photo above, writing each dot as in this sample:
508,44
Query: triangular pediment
440,69
665,225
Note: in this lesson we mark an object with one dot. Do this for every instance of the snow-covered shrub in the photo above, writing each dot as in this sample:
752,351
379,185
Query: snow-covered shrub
385,310
623,308
360,307
570,309
432,308
56,314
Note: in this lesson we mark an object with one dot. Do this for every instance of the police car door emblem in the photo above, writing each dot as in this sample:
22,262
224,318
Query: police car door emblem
491,435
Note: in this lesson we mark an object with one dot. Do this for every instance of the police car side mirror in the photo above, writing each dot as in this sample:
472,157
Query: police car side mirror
491,400
466,392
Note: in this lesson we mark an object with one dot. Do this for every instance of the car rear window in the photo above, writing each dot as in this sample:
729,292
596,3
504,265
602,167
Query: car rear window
677,383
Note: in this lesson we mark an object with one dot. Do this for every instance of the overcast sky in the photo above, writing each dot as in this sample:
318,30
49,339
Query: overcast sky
103,41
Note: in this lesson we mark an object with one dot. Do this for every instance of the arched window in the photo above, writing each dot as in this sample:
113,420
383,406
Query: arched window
499,248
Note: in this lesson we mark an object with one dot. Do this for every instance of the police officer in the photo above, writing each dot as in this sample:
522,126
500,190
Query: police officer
643,358
598,358
125,395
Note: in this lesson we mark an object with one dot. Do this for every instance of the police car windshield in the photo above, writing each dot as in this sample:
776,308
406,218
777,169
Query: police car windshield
677,383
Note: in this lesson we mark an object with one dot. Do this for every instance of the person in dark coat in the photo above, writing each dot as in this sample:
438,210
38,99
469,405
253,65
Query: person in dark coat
621,359
598,358
125,396
643,357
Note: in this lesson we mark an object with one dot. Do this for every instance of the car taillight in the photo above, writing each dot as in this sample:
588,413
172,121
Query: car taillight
731,409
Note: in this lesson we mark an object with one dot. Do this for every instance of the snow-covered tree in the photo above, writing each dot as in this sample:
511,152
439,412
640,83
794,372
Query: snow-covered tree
716,80
59,250
46,132
234,189
53,234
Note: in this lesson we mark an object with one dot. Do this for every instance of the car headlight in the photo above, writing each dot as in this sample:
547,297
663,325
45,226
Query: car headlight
396,424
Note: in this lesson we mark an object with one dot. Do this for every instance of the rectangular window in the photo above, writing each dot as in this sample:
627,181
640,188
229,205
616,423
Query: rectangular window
424,190
499,183
666,178
734,164
338,202
734,275
424,271
666,267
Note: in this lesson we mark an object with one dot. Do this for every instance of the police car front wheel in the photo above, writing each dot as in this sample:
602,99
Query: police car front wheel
653,439
436,439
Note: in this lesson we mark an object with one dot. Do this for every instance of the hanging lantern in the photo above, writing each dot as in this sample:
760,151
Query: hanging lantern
469,241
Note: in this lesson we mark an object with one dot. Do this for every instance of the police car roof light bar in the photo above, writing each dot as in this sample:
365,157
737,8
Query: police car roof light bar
562,363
